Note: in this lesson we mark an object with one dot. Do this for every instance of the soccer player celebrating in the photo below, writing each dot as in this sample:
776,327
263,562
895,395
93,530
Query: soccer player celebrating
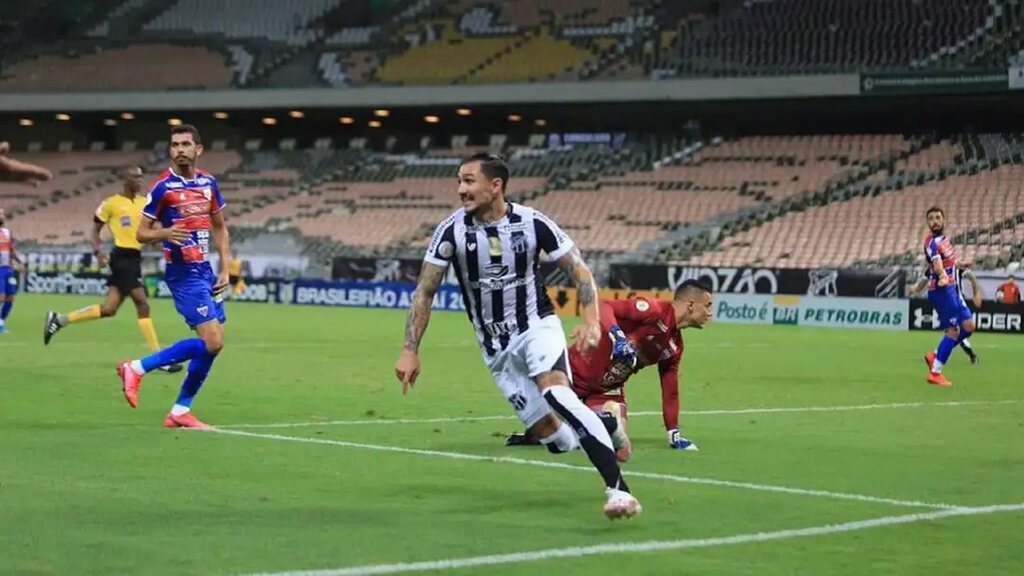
188,206
8,280
641,332
962,271
494,246
120,213
954,315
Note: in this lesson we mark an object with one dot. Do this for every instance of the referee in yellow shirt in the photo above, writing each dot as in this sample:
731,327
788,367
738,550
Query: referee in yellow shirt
119,213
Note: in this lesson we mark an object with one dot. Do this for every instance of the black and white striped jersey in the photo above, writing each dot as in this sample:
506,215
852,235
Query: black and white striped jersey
496,265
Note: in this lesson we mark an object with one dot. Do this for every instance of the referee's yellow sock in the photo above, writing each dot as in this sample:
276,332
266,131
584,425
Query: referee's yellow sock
149,332
84,314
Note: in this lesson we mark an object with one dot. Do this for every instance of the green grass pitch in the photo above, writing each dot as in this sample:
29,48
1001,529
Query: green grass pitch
89,486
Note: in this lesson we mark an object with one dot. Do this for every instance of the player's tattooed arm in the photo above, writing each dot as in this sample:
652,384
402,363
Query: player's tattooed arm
586,294
416,322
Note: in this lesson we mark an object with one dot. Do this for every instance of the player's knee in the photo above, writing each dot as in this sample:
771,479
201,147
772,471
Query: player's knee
546,426
953,333
970,326
214,342
142,309
107,311
552,378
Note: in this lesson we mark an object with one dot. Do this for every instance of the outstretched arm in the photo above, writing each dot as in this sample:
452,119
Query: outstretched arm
407,369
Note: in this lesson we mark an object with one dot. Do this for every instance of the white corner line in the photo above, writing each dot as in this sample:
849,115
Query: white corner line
563,466
649,546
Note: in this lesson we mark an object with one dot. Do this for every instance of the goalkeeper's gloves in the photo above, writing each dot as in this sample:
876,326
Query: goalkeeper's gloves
677,442
623,351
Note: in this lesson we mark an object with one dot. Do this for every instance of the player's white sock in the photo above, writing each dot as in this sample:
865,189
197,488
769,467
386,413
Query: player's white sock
178,410
136,365
562,440
566,399
937,366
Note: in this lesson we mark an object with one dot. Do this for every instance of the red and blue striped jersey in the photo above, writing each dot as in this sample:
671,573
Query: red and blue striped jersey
190,203
6,247
938,246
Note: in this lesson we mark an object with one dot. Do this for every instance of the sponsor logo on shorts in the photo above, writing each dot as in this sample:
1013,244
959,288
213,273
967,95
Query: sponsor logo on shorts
203,310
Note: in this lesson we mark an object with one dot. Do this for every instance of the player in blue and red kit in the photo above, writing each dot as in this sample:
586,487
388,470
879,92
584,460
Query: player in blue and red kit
8,279
187,205
954,315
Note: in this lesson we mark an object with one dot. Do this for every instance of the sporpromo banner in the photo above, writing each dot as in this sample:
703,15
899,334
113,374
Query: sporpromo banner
81,283
992,317
867,283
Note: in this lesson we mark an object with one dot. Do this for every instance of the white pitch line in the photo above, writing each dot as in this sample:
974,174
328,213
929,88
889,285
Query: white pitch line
643,413
563,466
649,546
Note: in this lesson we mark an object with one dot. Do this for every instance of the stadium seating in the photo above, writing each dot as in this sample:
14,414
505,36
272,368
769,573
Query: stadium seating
324,42
794,201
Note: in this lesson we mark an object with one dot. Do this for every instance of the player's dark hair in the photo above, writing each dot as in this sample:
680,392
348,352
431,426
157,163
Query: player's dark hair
188,129
691,285
935,209
492,165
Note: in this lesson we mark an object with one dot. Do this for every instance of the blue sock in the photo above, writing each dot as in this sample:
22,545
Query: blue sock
178,352
198,369
964,335
5,311
945,348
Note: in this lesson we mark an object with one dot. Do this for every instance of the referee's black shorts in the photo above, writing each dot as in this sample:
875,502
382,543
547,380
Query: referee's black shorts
125,269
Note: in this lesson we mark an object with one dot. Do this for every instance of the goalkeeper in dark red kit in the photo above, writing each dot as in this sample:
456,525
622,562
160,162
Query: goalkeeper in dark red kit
639,332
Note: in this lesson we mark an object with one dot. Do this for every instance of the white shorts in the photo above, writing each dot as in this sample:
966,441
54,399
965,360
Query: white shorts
528,355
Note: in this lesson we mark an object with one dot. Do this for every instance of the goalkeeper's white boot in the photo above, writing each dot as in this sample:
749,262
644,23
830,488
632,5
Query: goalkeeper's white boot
620,504
620,441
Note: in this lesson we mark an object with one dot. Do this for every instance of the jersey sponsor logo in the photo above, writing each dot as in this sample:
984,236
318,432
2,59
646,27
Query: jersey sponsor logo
496,270
194,209
642,305
126,221
172,185
496,329
494,246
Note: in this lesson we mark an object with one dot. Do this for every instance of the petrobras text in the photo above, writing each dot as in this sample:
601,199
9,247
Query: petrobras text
868,313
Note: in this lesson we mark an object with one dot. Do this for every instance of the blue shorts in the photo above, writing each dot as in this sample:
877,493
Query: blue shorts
8,281
950,307
191,288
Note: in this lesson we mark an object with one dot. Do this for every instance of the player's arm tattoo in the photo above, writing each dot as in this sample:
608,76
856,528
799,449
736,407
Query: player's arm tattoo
573,265
416,322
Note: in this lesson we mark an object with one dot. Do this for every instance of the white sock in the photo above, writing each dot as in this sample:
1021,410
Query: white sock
137,367
563,438
937,366
587,417
178,410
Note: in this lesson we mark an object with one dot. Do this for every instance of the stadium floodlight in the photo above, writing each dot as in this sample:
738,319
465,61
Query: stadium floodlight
297,114
62,117
220,115
347,120
463,111
269,121
373,124
174,121
382,113
514,117
109,122
431,119
127,116
25,122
